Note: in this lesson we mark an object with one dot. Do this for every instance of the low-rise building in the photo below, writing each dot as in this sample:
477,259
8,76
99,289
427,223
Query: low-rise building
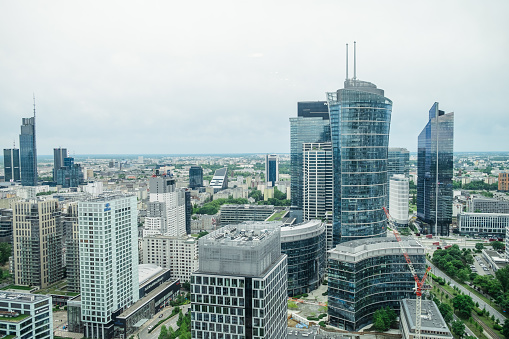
483,224
487,205
432,323
236,214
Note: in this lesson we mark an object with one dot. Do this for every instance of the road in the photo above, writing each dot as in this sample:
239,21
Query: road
143,332
475,298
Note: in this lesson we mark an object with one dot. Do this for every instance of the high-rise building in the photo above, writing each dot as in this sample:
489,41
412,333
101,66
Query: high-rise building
360,117
28,152
318,182
108,252
435,171
59,154
310,126
6,225
220,179
37,243
69,174
240,288
195,177
366,275
503,182
271,169
11,164
72,255
398,161
398,199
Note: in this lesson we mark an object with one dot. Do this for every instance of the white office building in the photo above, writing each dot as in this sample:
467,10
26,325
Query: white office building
483,224
108,251
398,199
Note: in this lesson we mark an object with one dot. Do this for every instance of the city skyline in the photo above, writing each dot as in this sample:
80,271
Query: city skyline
123,82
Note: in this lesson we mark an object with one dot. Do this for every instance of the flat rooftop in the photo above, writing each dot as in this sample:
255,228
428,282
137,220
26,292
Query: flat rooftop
431,319
22,297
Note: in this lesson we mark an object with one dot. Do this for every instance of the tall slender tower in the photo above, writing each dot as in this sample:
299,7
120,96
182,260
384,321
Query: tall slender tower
434,172
271,169
11,164
360,117
28,151
59,154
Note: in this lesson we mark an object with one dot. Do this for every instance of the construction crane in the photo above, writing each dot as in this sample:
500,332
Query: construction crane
419,283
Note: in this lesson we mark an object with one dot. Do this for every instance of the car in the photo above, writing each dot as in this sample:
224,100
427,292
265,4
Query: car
485,268
161,315
150,327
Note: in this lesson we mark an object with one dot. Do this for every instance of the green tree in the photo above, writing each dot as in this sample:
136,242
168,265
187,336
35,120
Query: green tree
458,328
446,311
497,245
505,328
503,276
479,246
164,333
464,304
5,252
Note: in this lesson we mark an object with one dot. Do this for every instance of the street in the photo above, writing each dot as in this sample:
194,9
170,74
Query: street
143,332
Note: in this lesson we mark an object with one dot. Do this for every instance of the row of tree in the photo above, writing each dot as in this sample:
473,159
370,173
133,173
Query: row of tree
183,332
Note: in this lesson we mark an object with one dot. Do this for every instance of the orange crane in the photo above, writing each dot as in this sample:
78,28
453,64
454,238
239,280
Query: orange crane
419,283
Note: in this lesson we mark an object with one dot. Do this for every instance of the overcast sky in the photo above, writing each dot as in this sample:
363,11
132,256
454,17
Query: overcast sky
166,77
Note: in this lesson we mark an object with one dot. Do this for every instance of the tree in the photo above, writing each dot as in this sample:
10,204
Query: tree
164,333
479,246
497,245
505,328
5,252
446,311
464,304
503,276
458,328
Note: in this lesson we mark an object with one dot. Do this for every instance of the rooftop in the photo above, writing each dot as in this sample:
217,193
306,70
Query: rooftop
22,297
431,319
147,272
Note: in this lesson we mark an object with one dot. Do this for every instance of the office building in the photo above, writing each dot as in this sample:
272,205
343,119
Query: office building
69,174
317,190
195,177
503,182
310,126
59,154
37,243
435,171
398,161
108,252
11,164
231,214
6,225
72,255
398,199
271,169
304,244
433,324
28,152
240,288
220,179
480,204
367,274
483,224
178,254
360,117
25,316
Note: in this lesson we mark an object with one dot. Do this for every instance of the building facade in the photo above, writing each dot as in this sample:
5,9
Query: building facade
435,171
398,161
368,274
304,244
72,255
318,180
59,154
11,164
37,243
108,252
487,205
220,179
271,169
28,152
6,225
433,325
231,214
360,117
398,199
503,182
178,254
195,177
310,126
240,288
69,174
25,316
483,224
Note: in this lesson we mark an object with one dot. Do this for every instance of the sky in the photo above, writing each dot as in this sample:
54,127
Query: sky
195,77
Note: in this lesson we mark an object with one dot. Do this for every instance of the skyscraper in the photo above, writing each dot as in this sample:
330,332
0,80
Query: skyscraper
69,174
37,243
28,152
240,288
11,164
59,154
195,177
310,126
398,161
108,252
435,169
271,169
398,199
360,117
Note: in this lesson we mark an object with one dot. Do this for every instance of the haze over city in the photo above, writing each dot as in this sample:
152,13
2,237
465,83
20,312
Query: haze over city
224,77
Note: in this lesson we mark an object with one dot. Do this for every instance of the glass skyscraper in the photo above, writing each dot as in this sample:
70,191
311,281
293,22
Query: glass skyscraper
271,169
11,164
435,143
28,152
195,177
310,125
398,161
360,117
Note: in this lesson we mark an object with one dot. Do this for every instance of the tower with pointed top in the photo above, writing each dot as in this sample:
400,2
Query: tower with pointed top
28,151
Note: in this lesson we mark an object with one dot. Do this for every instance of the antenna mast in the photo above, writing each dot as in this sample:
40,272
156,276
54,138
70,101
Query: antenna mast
354,60
34,104
346,61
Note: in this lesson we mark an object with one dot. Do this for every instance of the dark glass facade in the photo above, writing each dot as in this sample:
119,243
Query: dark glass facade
398,161
28,152
436,141
365,278
59,154
271,169
11,164
70,174
360,119
311,125
195,177
304,245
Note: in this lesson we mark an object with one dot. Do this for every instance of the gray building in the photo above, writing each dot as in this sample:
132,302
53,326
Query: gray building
368,274
398,161
220,179
231,214
487,205
72,255
483,224
6,225
25,315
195,177
304,244
240,288
433,324
11,164
59,154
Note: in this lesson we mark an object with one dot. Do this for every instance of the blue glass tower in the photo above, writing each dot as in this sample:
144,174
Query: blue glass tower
360,117
271,169
434,206
11,164
28,152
